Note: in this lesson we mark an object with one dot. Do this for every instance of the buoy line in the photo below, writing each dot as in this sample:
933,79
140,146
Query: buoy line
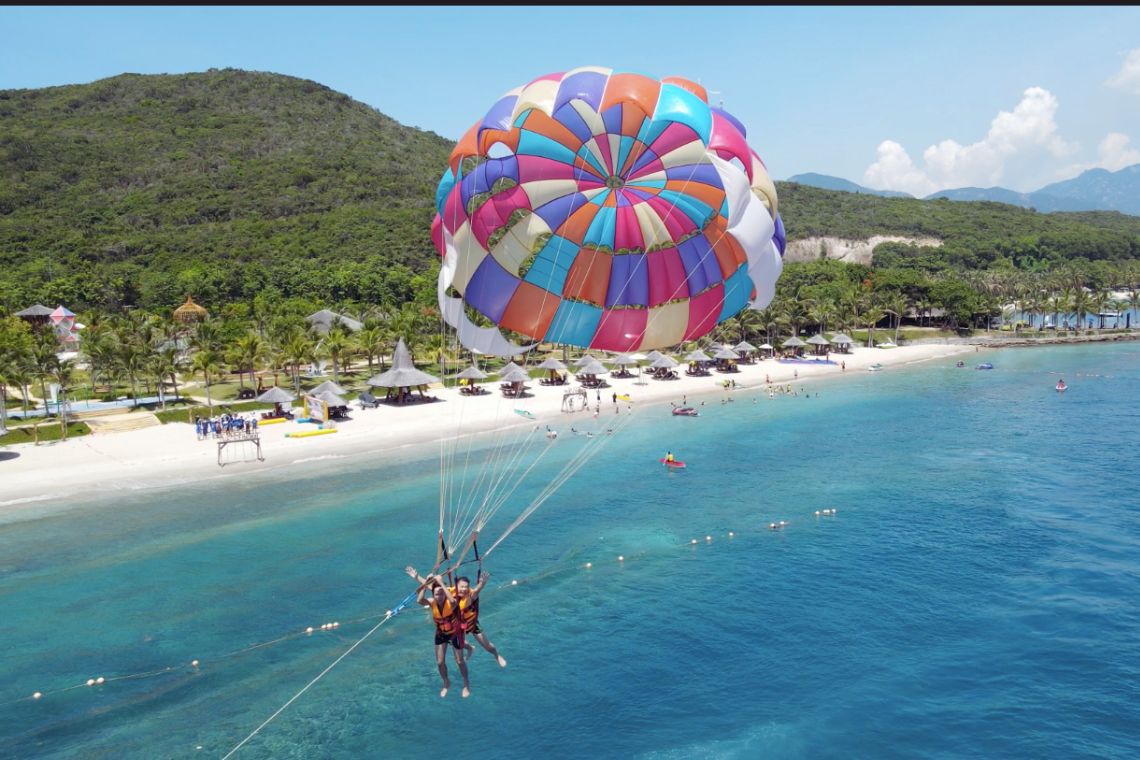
388,615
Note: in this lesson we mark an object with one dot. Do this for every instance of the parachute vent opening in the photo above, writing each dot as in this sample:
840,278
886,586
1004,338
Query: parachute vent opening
735,161
499,150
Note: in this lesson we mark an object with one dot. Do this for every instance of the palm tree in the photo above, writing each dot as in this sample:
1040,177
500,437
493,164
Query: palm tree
897,305
162,365
296,351
132,360
871,315
371,341
43,364
208,363
65,377
336,346
1080,305
250,349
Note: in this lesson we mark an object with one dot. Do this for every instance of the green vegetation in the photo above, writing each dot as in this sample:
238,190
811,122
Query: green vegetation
49,430
268,198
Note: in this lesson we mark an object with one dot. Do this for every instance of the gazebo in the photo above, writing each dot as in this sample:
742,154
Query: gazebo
402,377
821,343
37,316
767,347
190,313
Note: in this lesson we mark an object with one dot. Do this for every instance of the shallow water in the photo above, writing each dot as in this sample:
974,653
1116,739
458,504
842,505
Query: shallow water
975,595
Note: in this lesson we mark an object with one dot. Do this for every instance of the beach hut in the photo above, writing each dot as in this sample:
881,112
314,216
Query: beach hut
323,320
842,343
402,377
276,396
554,367
821,344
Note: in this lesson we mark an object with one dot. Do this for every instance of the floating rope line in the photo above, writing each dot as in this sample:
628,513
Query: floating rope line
707,540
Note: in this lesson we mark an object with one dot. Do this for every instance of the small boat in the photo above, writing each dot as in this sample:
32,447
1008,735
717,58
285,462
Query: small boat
985,365
959,365
685,411
675,464
1061,387
524,413
875,367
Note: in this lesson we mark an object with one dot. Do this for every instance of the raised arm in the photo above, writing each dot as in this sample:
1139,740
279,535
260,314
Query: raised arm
479,586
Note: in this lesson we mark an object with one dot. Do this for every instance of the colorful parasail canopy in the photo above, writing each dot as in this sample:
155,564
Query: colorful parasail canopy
604,209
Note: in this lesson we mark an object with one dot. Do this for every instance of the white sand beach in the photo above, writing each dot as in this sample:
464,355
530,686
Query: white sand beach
99,464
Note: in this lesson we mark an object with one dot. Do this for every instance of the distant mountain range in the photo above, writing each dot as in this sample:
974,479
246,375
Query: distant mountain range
1093,190
837,183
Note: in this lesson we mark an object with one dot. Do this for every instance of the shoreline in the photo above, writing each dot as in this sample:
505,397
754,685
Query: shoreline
93,466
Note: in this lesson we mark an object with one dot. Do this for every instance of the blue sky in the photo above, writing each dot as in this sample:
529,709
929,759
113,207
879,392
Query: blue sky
915,99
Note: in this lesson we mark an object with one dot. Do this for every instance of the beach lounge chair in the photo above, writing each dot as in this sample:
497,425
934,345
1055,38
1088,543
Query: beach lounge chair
366,400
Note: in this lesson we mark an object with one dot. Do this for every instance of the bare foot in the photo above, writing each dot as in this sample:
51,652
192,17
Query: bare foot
466,692
443,692
502,661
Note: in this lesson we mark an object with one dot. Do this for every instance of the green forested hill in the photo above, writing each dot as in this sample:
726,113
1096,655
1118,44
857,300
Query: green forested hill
140,189
226,184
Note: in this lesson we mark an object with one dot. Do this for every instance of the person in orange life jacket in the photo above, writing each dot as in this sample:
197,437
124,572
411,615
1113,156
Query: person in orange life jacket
469,613
448,627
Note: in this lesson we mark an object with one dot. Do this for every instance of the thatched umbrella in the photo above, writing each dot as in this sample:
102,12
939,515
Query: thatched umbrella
553,366
472,373
726,360
842,341
583,361
403,375
743,346
330,386
277,397
323,320
767,347
819,342
793,342
330,398
697,356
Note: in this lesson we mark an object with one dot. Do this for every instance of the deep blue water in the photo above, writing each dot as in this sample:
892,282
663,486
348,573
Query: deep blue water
977,594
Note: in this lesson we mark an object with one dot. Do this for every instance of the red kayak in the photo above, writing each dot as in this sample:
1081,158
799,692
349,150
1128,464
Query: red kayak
674,463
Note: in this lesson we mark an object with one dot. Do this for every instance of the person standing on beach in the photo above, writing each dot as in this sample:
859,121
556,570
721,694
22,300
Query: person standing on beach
448,627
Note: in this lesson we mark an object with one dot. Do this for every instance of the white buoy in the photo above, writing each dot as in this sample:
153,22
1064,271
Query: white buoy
693,542
817,513
589,565
336,624
731,534
514,583
193,663
621,558
309,629
708,538
100,680
90,681
37,695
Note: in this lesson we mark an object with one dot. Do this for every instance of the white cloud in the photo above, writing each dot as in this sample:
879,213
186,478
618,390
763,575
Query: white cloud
895,171
1128,78
1114,153
1024,136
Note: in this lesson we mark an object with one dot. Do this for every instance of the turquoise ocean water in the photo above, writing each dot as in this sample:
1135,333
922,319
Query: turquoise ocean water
976,595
